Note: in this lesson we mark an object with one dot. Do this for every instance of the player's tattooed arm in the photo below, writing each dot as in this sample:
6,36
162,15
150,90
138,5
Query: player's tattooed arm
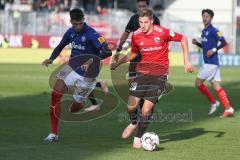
195,42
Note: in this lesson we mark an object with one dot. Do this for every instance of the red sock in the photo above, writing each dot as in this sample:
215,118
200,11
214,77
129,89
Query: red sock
204,90
55,110
223,98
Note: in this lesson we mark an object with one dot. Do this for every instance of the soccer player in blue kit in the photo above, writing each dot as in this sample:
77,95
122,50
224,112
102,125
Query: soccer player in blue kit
88,49
211,41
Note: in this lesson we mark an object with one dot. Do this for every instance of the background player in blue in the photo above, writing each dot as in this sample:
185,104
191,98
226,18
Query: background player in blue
88,49
211,41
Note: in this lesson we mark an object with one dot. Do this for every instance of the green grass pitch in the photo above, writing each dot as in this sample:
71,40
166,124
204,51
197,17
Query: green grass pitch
24,121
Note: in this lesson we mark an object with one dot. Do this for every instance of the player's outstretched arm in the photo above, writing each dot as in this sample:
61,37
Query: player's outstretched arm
46,62
65,41
54,55
130,56
187,65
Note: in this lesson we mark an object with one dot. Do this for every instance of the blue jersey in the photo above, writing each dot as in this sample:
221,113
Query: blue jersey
85,45
209,40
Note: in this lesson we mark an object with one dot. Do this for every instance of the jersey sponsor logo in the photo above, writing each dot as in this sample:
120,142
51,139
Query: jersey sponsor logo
157,39
83,38
101,40
171,33
79,46
156,28
204,39
149,49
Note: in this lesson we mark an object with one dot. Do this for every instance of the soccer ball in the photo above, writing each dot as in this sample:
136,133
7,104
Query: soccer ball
150,141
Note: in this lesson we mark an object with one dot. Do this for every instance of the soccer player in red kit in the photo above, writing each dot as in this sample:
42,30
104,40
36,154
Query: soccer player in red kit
152,42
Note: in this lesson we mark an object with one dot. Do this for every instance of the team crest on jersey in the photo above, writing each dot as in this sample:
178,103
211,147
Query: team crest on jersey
157,39
101,40
72,35
171,33
141,43
156,28
207,33
83,38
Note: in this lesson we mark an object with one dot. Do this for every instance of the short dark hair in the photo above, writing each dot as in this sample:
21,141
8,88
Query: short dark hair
147,1
76,14
209,11
146,13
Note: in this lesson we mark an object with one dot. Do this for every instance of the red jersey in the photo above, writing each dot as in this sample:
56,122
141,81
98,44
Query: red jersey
154,49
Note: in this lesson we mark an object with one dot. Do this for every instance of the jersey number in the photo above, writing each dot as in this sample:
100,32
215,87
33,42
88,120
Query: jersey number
83,92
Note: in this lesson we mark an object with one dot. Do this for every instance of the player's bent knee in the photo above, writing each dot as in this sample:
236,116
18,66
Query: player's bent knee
216,86
198,83
146,112
60,86
131,109
124,136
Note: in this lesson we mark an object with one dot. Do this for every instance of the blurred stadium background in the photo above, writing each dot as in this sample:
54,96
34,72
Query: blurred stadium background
30,29
41,23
